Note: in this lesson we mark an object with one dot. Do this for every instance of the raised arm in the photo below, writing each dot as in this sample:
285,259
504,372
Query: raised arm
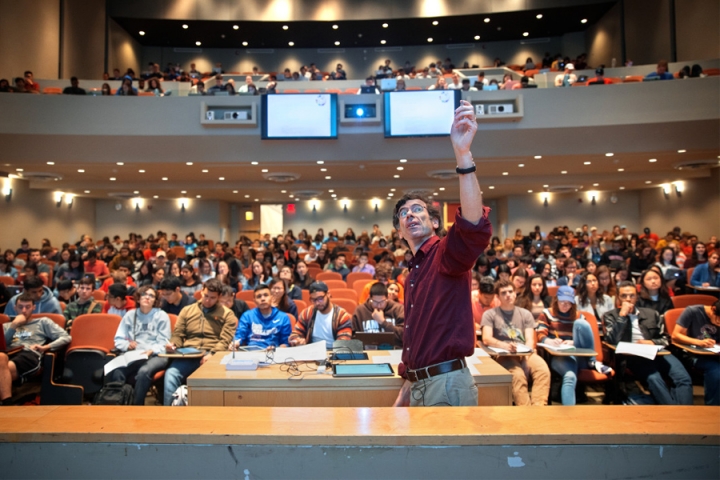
461,135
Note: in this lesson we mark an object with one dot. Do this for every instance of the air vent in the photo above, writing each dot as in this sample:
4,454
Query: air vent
122,195
564,188
261,51
460,46
697,164
388,49
331,50
307,194
443,174
42,176
187,50
422,191
281,177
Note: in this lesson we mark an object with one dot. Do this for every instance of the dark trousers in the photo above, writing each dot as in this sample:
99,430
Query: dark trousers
144,371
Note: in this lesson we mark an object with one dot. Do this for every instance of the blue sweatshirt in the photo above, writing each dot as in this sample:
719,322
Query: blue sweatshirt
255,330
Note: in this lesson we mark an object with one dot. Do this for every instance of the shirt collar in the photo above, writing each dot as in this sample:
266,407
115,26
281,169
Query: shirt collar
424,249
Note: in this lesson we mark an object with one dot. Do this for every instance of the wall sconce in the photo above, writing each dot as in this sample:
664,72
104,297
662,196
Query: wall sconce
376,204
666,190
137,202
679,188
69,199
314,205
183,204
58,198
7,192
545,196
345,203
593,196
249,216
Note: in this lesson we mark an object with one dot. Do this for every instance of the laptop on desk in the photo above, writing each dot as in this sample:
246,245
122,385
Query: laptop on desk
376,341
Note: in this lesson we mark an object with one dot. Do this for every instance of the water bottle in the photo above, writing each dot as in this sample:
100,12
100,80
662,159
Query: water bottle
613,63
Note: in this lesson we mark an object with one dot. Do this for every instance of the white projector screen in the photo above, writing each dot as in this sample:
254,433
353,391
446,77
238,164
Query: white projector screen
420,113
299,116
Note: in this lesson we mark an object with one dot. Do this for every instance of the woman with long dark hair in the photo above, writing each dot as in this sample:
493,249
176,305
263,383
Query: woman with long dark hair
698,257
654,293
591,298
535,297
280,298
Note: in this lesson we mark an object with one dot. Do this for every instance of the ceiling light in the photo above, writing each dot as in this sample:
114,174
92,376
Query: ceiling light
51,163
477,37
257,199
538,157
396,176
245,44
390,194
682,151
291,195
652,160
621,169
382,42
183,192
264,170
335,27
141,33
285,27
320,162
442,189
323,169
564,172
538,16
403,160
235,191
487,20
430,40
337,43
205,171
328,177
435,193
198,43
435,22
120,163
392,189
521,165
506,173
87,191
609,154
253,163
586,163
137,192
185,26
112,179
198,196
80,170
330,191
247,196
491,187
19,170
141,171
546,186
164,179
334,195
188,163
596,184
648,182
401,168
525,34
292,44
221,178
529,191
622,188
584,20
155,196
384,25
235,27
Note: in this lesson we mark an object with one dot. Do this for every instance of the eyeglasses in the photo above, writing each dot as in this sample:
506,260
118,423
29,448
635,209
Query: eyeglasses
378,303
415,209
318,299
148,295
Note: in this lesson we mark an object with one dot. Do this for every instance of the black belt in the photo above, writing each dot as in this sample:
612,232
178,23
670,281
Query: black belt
437,369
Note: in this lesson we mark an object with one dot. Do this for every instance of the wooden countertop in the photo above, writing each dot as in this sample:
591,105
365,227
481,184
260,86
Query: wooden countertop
435,426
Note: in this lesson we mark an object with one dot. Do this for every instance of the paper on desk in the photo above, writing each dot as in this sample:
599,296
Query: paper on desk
480,352
714,349
393,357
638,349
124,360
521,348
557,348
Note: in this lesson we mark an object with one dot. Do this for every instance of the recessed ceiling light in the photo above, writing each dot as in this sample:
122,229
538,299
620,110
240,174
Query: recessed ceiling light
525,34
198,196
291,195
499,28
682,151
264,170
648,182
141,33
587,163
120,163
435,22
401,168
390,195
609,154
253,163
183,192
384,25
198,43
652,160
335,27
221,178
538,157
538,16
334,195
235,27
430,40
285,27
235,191
491,187
185,26
164,179
487,20
112,179
245,44
87,191
396,176
382,42
292,44
337,43
521,165
328,177
155,196
546,186
257,199
205,170
19,170
564,172
51,163
529,191
137,192
320,162
584,20
442,189
621,169
331,190
392,189
247,196
622,188
80,170
596,184
506,173
188,163
477,37
323,169
435,193
403,160
141,171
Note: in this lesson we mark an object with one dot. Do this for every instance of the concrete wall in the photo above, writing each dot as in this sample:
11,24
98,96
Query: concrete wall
647,30
124,51
697,210
360,215
697,26
84,38
29,33
603,39
33,214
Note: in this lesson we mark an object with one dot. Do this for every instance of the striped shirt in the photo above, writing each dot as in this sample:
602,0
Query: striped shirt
554,327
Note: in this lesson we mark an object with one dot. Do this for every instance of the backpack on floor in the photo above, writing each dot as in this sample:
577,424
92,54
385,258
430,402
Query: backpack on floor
114,393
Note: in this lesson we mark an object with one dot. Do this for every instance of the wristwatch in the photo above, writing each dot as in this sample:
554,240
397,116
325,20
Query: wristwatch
465,171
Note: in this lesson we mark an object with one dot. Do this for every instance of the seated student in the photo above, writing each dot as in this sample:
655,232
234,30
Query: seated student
654,293
482,298
30,334
518,279
627,323
338,266
189,281
72,270
66,292
707,274
323,321
174,299
599,78
7,269
661,72
567,78
265,326
506,326
380,314
280,299
74,89
294,292
228,300
699,325
563,324
122,275
569,276
84,304
95,266
205,325
534,297
383,273
118,301
43,299
363,266
146,328
591,298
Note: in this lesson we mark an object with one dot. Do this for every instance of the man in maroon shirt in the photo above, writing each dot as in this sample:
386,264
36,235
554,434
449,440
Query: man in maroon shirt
439,329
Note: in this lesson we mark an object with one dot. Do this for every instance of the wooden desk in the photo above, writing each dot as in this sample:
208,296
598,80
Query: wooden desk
212,385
